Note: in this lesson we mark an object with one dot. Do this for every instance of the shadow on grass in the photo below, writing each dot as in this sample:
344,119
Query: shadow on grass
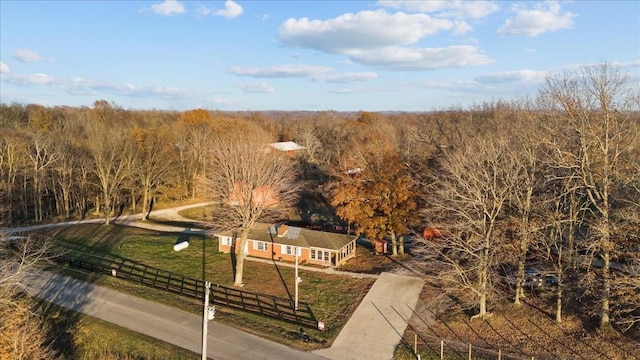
275,264
176,223
64,319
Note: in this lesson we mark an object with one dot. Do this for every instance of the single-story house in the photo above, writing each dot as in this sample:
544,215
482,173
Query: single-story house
280,242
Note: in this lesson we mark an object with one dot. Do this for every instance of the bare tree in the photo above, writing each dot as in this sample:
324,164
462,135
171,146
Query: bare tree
306,135
112,155
194,136
42,157
9,165
595,102
467,199
152,161
21,335
251,182
527,185
65,170
626,279
625,290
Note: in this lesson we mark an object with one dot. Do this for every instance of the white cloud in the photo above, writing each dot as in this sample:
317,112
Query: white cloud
221,101
398,58
168,7
366,29
544,17
508,77
382,39
164,92
31,79
445,8
345,78
79,86
281,71
461,27
634,63
315,73
26,55
231,10
119,88
255,87
203,10
4,69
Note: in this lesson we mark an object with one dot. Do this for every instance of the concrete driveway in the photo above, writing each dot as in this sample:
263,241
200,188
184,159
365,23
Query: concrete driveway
376,328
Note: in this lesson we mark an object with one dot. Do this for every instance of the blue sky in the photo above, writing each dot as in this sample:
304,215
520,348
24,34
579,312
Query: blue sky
303,55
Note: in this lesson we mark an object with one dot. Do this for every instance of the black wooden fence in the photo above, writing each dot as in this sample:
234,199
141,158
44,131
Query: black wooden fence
232,298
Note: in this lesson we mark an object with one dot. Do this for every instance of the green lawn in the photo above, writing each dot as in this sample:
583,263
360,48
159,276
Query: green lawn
333,298
79,336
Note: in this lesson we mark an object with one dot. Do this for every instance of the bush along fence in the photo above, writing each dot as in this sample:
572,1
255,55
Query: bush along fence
232,298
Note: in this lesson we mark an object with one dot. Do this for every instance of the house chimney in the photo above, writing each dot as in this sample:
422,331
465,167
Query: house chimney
282,230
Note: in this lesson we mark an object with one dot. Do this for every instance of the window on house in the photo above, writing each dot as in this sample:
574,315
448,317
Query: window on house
290,250
226,241
260,245
319,255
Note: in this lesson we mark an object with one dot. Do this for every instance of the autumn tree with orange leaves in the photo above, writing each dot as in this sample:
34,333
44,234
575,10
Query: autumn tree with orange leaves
374,190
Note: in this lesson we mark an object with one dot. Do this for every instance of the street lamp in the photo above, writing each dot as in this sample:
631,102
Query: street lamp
209,313
298,279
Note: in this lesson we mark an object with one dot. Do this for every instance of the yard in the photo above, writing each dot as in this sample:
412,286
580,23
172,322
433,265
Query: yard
333,298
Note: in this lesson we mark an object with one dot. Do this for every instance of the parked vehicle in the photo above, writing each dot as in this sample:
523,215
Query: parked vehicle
533,278
550,280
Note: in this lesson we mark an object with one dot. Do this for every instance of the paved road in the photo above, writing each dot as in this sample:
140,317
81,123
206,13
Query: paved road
161,322
372,333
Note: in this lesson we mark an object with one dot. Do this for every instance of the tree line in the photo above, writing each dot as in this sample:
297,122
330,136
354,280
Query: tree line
556,176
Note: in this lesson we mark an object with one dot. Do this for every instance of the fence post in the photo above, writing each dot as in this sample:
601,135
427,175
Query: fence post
469,351
441,349
499,354
415,343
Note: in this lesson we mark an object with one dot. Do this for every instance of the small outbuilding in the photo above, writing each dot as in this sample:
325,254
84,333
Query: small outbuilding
288,147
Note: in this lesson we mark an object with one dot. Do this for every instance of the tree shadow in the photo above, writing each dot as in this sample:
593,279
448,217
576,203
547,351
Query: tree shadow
63,319
62,301
152,202
233,255
275,264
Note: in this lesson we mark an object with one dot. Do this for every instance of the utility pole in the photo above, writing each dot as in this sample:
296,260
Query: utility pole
298,280
207,314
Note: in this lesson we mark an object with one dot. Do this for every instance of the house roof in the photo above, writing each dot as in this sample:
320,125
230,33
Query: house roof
286,146
297,236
